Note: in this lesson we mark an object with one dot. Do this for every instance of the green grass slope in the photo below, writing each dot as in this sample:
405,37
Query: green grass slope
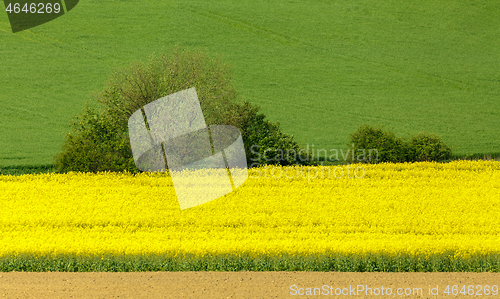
321,68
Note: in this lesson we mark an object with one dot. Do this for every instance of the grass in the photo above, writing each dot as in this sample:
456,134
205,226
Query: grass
27,169
321,68
325,263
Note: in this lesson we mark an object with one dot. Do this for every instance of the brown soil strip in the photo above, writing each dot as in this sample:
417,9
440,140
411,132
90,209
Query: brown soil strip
243,285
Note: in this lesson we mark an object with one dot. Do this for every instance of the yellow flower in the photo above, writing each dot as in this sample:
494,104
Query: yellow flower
414,208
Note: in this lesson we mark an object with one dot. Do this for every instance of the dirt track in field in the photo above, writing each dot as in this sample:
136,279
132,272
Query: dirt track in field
240,284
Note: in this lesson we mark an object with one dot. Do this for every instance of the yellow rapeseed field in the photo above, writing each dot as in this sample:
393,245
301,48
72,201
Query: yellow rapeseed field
418,208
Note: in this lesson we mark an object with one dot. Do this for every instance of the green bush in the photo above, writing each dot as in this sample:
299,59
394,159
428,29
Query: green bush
373,145
264,141
421,147
99,138
96,144
427,147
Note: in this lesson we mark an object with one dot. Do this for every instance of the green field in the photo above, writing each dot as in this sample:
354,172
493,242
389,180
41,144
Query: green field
320,68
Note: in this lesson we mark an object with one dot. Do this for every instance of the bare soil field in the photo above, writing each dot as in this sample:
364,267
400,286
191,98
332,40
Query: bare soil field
247,285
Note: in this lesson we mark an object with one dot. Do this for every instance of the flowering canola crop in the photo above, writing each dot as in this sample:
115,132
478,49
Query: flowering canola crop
416,208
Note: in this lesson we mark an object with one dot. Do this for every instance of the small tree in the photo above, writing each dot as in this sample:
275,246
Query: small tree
99,139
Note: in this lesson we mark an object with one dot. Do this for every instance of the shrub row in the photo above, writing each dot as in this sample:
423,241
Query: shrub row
99,139
389,148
